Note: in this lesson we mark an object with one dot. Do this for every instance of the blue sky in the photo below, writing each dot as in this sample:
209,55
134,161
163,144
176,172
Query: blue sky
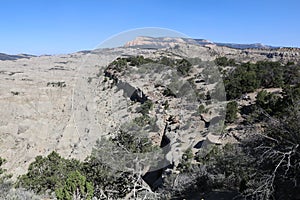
64,26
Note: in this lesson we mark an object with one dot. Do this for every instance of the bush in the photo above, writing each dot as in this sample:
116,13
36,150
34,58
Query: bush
5,183
186,161
119,64
169,93
269,102
167,61
248,76
77,186
110,182
134,142
231,112
142,120
242,80
223,61
276,158
47,173
146,107
166,105
183,67
201,109
139,60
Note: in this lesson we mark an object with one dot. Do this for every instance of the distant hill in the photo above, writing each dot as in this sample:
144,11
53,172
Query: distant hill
14,57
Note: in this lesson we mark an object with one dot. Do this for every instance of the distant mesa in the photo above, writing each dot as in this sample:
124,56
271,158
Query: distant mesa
157,42
170,42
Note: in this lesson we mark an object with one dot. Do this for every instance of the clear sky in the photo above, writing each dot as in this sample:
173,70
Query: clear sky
65,26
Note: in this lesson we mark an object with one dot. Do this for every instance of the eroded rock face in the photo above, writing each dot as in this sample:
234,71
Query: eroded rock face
42,107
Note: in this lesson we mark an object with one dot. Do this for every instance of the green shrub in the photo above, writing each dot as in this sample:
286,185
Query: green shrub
47,173
267,101
77,186
134,142
249,76
183,67
223,61
146,107
169,93
119,64
142,120
139,60
201,109
166,105
186,161
109,180
231,112
167,61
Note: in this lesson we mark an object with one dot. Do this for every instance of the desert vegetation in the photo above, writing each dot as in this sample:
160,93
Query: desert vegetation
263,162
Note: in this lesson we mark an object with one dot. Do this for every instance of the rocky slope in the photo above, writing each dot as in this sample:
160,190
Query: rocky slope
66,102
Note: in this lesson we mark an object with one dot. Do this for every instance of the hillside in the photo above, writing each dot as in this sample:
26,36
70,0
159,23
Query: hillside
148,111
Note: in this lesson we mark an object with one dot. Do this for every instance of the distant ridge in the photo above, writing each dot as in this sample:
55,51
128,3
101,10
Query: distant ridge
14,57
165,42
246,46
146,42
157,42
